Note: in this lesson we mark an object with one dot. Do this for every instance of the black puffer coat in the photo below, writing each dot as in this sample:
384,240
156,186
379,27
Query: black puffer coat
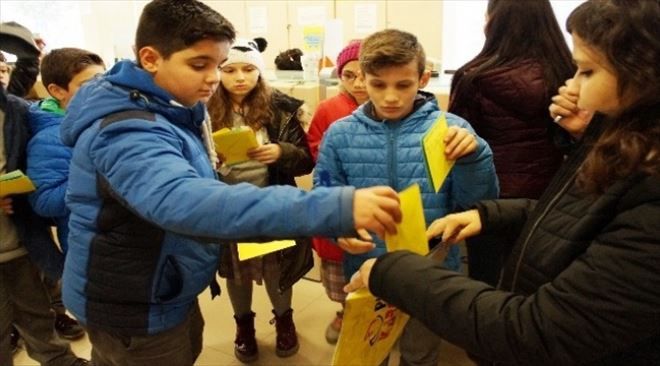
581,286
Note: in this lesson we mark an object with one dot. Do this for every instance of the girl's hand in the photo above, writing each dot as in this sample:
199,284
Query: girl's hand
565,112
360,278
459,142
6,205
266,154
360,245
455,227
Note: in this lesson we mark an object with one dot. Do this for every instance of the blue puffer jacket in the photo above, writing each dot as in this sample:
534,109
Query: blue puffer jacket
145,206
360,151
48,166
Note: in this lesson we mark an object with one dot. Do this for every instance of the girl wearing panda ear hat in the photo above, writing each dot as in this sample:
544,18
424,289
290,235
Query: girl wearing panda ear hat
245,99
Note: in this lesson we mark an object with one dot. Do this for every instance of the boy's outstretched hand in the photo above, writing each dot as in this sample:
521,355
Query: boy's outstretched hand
459,142
376,209
455,227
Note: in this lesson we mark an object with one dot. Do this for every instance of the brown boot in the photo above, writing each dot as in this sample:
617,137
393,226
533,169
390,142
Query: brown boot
287,340
245,345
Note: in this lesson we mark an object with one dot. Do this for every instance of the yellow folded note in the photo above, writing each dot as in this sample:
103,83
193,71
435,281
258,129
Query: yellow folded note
15,183
234,144
411,231
251,250
433,147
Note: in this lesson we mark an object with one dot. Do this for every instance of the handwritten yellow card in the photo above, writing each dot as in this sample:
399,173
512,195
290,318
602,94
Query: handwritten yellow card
252,250
15,182
411,231
233,144
433,147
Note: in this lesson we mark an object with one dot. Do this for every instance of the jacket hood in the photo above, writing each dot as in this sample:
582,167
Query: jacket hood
124,87
40,118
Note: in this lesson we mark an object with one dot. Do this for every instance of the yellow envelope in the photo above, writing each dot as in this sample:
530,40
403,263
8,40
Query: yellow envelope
411,231
234,144
433,147
251,250
370,329
15,182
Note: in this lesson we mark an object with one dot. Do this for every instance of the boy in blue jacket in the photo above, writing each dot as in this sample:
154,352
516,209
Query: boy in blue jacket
63,71
147,210
380,143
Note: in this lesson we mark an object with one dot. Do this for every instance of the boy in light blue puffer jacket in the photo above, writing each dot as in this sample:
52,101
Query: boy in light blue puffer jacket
380,144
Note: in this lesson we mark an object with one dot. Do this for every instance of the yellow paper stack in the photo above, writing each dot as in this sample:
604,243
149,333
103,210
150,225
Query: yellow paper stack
233,144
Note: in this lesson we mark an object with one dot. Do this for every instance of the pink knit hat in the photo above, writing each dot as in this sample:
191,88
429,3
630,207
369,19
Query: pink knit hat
350,53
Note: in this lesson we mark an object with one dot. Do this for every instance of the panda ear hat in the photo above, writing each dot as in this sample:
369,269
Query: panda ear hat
262,43
247,51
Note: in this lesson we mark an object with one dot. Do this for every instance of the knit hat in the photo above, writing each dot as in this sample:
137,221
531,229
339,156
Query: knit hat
350,53
17,40
247,51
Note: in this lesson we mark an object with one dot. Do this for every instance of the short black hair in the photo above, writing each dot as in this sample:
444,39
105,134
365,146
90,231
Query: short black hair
173,25
61,65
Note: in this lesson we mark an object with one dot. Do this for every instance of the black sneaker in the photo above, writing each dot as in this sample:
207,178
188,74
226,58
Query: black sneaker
14,337
68,328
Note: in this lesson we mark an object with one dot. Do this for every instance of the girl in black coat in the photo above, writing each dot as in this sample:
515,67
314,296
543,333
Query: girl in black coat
581,284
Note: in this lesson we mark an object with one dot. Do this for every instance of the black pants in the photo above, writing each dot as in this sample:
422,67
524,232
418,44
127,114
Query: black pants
24,302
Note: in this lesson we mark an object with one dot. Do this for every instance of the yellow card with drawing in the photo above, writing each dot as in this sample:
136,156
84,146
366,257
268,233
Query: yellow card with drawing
15,182
411,231
252,250
371,326
433,147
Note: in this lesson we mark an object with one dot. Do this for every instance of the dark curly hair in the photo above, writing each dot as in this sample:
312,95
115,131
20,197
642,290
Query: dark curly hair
626,33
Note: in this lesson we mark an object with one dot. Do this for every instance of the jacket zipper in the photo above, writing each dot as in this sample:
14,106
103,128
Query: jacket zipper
554,200
392,154
280,133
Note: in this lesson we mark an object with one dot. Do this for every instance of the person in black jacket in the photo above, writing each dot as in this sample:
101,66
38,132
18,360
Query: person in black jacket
581,284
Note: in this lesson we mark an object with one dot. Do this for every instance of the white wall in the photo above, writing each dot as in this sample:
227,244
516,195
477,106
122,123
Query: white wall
450,30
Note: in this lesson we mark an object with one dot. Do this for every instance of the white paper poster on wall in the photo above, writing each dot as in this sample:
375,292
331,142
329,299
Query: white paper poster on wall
366,18
311,15
258,19
334,38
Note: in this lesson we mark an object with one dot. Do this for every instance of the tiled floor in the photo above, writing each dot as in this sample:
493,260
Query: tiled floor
312,312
